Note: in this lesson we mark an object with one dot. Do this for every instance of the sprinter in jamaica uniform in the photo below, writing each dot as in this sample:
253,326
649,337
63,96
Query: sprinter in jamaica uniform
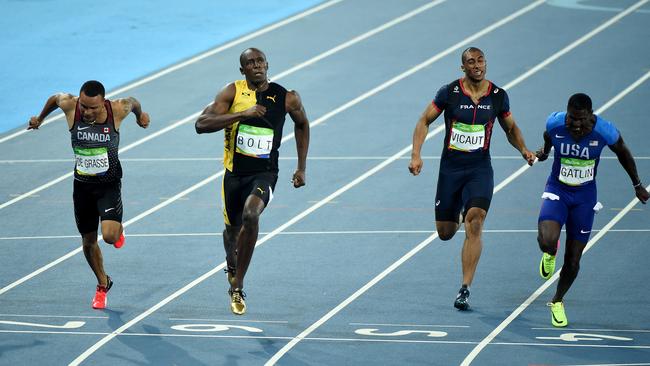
465,180
251,112
578,137
94,124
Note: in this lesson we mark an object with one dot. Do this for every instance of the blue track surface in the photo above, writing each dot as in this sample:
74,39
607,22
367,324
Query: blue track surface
348,269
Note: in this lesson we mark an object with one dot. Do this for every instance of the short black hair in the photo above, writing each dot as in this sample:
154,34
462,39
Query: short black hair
253,49
93,88
579,101
467,50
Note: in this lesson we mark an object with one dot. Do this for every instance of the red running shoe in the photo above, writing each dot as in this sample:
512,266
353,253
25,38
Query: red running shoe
100,301
120,242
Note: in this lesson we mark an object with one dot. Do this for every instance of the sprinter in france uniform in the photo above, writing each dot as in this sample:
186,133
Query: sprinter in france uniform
570,198
471,105
252,113
465,178
94,123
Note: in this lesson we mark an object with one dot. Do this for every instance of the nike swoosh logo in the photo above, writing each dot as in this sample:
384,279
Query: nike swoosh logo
109,209
544,273
83,128
559,136
554,318
584,232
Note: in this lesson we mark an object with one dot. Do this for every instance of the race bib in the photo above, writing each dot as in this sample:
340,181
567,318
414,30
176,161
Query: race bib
575,172
91,161
466,137
256,142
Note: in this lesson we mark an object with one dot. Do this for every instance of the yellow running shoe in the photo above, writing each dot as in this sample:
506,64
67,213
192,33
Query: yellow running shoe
237,304
558,317
547,266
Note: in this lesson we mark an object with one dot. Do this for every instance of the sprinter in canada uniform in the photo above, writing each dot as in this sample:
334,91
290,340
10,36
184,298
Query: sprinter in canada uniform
465,180
251,112
578,138
94,124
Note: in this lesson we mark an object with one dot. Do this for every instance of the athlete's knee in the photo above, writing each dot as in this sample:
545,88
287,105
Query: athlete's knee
446,231
250,217
111,237
89,240
474,222
548,244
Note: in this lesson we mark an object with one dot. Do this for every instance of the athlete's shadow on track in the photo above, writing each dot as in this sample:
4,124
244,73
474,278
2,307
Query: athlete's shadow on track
6,348
155,350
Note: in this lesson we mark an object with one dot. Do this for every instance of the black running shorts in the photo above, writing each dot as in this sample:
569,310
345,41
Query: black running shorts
235,189
95,201
462,188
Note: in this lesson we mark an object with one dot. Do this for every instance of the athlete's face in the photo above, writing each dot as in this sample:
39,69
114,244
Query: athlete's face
474,65
579,122
91,107
254,66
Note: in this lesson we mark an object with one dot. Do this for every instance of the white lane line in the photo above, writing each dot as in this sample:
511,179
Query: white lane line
53,316
196,59
323,118
279,76
359,179
594,330
332,339
423,244
231,320
411,325
311,158
472,355
334,232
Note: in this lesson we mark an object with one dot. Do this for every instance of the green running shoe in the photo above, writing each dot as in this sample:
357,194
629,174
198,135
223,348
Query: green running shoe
558,317
547,266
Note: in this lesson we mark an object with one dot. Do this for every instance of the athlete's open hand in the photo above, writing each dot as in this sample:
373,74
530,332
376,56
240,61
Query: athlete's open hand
298,179
34,123
642,194
415,166
143,121
529,156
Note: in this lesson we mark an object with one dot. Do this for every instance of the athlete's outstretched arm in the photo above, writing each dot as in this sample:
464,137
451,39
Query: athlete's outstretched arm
122,108
516,138
64,101
297,113
215,117
627,161
542,153
419,134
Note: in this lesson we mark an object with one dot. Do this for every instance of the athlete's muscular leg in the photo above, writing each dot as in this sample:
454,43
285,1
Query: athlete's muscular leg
446,229
472,246
570,268
548,233
94,256
247,236
230,235
111,231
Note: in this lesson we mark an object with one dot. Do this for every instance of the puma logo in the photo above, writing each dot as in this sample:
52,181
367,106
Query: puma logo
272,98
